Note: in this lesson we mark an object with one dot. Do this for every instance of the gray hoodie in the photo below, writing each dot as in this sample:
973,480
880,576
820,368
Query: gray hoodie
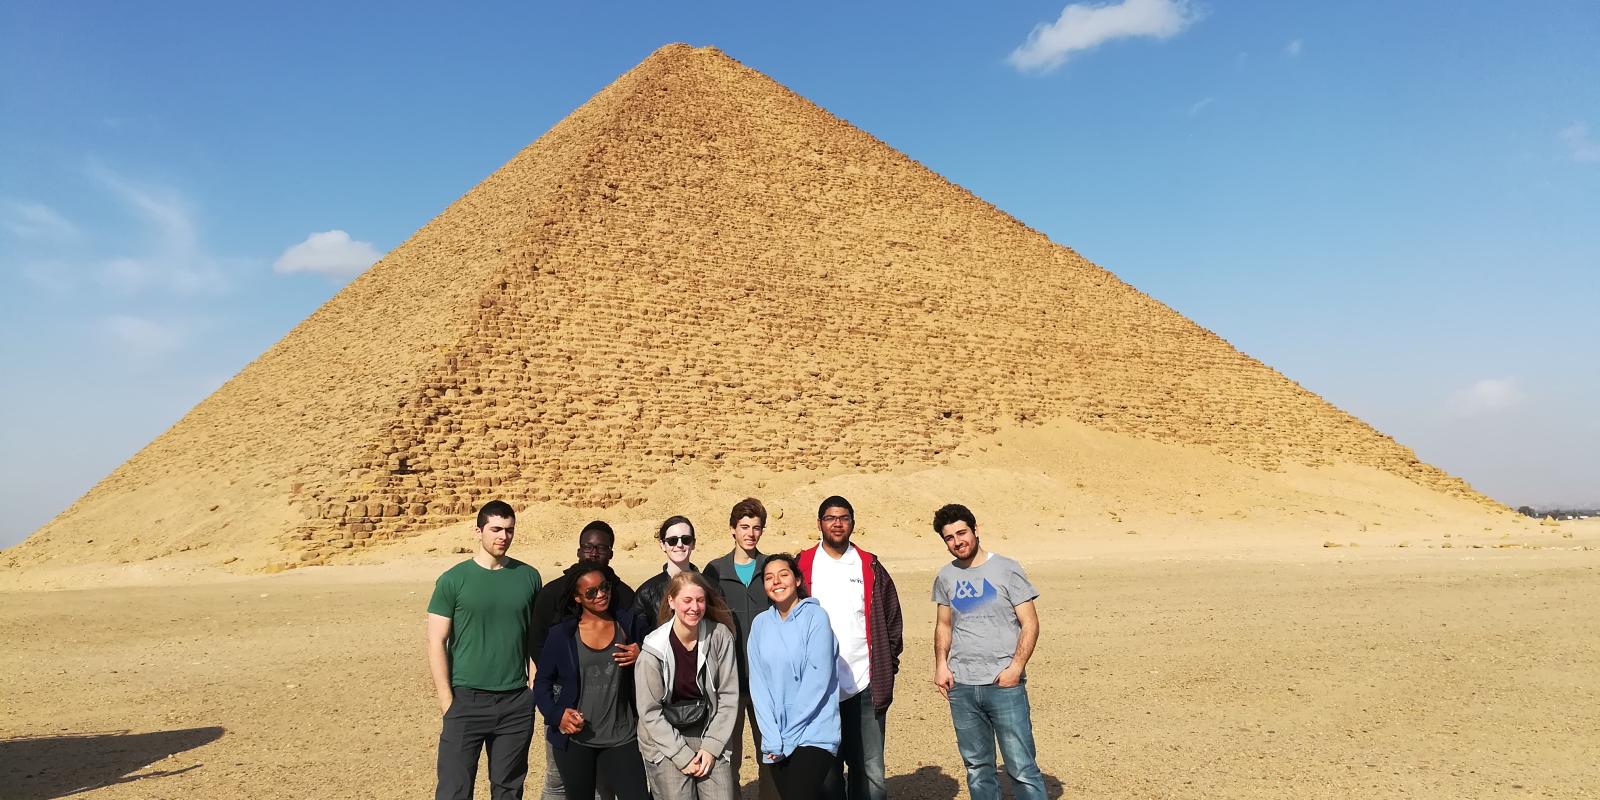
717,678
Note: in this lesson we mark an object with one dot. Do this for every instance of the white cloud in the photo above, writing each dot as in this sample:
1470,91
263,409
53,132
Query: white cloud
1582,148
1083,26
1486,397
331,253
1293,48
36,221
1201,105
176,262
142,337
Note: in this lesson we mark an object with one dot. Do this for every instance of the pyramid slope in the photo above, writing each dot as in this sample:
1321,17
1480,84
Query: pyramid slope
696,268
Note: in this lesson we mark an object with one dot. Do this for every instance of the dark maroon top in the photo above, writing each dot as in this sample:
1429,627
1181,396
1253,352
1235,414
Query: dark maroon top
684,686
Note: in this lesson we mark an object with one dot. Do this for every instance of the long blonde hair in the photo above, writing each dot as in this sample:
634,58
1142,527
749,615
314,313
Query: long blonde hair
716,608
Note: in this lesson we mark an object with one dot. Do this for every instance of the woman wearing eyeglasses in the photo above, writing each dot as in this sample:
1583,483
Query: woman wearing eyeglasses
676,537
584,688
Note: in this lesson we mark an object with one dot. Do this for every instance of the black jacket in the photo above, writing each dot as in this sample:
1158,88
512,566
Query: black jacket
648,599
559,685
746,602
547,606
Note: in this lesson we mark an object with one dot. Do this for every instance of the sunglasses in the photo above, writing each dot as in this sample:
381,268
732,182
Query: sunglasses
674,541
595,591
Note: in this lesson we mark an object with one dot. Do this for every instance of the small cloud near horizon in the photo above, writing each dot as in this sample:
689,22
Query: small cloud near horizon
331,253
1201,105
1486,396
1294,47
1084,26
1580,146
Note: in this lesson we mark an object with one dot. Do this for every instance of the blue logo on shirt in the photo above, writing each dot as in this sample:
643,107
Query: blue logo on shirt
969,598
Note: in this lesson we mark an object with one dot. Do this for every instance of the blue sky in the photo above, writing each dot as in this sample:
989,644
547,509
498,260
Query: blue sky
1395,204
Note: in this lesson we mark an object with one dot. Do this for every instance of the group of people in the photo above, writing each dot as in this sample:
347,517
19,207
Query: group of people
646,693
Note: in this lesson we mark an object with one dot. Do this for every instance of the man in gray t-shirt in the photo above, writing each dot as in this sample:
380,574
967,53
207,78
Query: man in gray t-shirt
985,632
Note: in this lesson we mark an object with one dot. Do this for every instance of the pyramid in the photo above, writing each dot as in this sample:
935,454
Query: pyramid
696,267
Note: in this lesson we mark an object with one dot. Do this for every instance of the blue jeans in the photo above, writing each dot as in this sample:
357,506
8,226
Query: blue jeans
983,714
858,774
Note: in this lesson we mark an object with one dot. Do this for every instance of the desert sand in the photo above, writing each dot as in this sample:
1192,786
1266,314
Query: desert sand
1258,665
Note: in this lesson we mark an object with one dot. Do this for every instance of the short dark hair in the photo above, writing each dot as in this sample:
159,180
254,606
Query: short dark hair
835,502
495,508
675,519
601,526
748,507
954,512
794,566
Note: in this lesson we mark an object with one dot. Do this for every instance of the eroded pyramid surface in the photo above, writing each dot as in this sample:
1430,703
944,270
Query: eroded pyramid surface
696,267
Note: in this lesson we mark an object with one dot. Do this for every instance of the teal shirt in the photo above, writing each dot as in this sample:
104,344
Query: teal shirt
745,571
490,612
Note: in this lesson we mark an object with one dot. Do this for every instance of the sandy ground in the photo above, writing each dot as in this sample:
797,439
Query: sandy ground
1229,671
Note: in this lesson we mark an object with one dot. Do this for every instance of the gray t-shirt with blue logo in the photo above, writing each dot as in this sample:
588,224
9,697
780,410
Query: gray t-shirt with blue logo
983,616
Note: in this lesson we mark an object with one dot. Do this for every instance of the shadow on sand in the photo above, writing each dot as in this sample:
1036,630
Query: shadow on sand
931,783
44,767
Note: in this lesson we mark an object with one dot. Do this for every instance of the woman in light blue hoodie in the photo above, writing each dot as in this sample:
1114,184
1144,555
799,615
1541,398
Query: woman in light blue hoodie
793,684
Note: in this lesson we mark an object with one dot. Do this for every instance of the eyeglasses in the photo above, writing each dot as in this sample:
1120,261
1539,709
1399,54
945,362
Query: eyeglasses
836,518
674,541
595,591
594,548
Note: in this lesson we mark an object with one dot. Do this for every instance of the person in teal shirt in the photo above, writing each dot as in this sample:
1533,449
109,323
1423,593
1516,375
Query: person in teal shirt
737,577
479,619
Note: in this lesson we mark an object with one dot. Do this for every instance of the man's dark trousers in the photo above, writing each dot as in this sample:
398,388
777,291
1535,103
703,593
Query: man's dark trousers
861,750
502,721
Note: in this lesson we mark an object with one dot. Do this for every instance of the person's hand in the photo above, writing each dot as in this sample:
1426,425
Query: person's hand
444,703
1009,677
771,758
700,765
943,679
626,654
571,721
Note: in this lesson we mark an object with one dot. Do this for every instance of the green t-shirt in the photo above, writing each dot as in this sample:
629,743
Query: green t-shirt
490,611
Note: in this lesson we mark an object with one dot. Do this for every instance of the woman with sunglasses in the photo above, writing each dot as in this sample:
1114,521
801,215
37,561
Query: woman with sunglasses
676,537
687,690
793,684
591,722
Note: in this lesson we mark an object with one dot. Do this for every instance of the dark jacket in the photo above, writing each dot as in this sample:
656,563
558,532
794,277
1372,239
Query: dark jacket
746,602
547,607
885,629
559,684
648,599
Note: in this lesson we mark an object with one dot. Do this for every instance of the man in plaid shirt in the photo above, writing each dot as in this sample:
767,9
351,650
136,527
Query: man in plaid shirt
864,611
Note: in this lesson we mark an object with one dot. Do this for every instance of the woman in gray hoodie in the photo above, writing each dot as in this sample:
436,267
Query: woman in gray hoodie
686,686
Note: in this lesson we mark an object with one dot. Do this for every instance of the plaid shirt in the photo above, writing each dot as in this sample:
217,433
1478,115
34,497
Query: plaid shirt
885,629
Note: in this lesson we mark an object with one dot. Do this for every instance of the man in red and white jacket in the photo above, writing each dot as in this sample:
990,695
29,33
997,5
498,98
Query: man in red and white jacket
864,611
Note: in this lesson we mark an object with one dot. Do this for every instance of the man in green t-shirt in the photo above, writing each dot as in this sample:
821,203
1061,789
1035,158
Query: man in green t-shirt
478,651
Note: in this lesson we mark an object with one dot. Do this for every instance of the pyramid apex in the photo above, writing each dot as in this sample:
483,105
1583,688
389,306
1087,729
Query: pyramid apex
680,51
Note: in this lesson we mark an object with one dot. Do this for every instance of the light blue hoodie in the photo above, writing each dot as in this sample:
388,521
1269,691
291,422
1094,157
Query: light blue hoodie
793,684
